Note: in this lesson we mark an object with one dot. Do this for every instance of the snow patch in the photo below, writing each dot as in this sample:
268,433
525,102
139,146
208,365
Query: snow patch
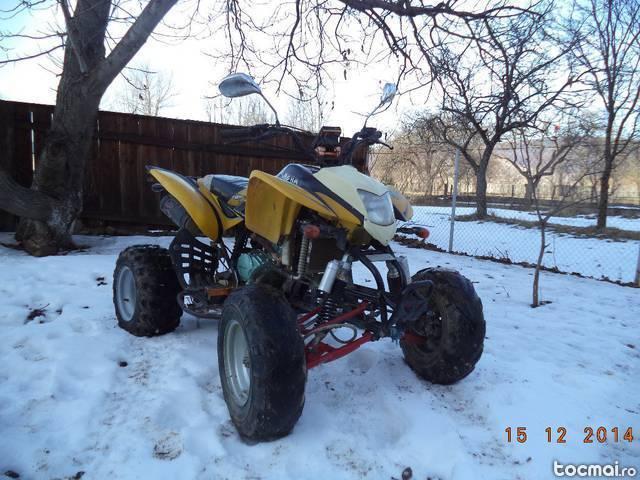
68,404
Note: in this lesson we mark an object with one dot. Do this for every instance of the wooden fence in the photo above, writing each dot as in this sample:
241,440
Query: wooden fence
117,187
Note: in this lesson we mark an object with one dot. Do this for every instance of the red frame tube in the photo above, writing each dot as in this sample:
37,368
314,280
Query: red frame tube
413,338
323,352
307,316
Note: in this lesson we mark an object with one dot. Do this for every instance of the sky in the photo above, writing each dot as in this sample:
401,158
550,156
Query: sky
195,75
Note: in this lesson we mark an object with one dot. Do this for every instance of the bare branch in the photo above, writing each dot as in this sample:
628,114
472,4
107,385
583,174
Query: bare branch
74,39
23,202
135,37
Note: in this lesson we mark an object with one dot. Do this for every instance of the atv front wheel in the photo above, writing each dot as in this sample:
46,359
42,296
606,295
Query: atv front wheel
454,330
145,287
261,363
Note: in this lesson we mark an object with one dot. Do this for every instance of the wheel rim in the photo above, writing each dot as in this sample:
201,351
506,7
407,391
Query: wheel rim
126,293
237,363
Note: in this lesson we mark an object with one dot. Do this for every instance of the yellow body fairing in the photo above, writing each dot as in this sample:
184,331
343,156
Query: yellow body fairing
202,206
227,221
347,219
273,205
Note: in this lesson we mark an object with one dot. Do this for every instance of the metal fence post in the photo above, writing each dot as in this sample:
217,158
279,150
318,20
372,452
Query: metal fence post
637,279
454,198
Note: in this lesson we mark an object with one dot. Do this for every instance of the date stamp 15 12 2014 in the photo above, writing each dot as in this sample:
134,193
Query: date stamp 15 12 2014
592,434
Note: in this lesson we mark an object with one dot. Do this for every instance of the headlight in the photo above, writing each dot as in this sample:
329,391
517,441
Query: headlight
379,207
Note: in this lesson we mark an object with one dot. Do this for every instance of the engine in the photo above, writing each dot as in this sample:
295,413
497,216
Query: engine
251,261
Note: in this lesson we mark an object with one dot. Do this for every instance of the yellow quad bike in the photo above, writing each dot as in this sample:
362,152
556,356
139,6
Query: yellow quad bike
284,288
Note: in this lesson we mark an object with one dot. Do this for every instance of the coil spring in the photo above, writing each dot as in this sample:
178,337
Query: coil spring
240,243
304,254
329,309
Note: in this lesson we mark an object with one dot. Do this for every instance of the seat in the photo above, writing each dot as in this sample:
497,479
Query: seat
230,191
225,186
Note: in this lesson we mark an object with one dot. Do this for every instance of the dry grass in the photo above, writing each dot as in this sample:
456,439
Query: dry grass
614,234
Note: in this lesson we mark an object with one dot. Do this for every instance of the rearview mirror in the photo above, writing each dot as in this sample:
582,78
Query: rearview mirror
388,92
238,85
241,84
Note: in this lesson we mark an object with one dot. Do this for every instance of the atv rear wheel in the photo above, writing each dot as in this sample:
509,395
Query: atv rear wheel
454,330
261,362
145,287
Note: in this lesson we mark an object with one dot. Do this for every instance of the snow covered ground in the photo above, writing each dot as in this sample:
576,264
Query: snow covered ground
77,394
614,221
594,257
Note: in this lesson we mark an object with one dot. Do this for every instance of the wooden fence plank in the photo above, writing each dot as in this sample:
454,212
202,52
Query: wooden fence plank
41,117
128,160
91,189
7,156
106,166
23,160
117,186
15,157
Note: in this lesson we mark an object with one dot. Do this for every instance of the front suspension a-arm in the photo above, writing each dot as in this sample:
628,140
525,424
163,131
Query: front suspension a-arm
413,304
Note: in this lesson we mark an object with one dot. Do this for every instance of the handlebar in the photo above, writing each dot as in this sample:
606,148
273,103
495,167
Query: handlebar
244,132
366,136
262,132
259,133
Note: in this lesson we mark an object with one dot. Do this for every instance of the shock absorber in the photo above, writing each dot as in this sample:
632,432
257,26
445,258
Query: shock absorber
335,269
240,244
304,256
329,309
393,274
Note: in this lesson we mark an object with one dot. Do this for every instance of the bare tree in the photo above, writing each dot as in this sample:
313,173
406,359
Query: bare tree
146,92
307,113
629,169
249,111
49,208
609,50
242,111
505,82
300,44
536,155
399,167
216,109
316,34
432,158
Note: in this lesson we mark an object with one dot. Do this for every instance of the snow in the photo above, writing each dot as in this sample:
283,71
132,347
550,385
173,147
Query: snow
587,220
596,257
66,406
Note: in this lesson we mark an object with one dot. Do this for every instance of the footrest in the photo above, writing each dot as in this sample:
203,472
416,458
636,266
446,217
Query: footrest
194,261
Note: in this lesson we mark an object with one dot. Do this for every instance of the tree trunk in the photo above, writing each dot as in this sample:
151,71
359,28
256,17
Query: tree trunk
61,165
49,209
603,201
481,191
60,173
480,170
528,195
536,275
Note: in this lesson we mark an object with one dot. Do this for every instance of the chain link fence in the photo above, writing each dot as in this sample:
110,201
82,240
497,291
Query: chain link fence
513,235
